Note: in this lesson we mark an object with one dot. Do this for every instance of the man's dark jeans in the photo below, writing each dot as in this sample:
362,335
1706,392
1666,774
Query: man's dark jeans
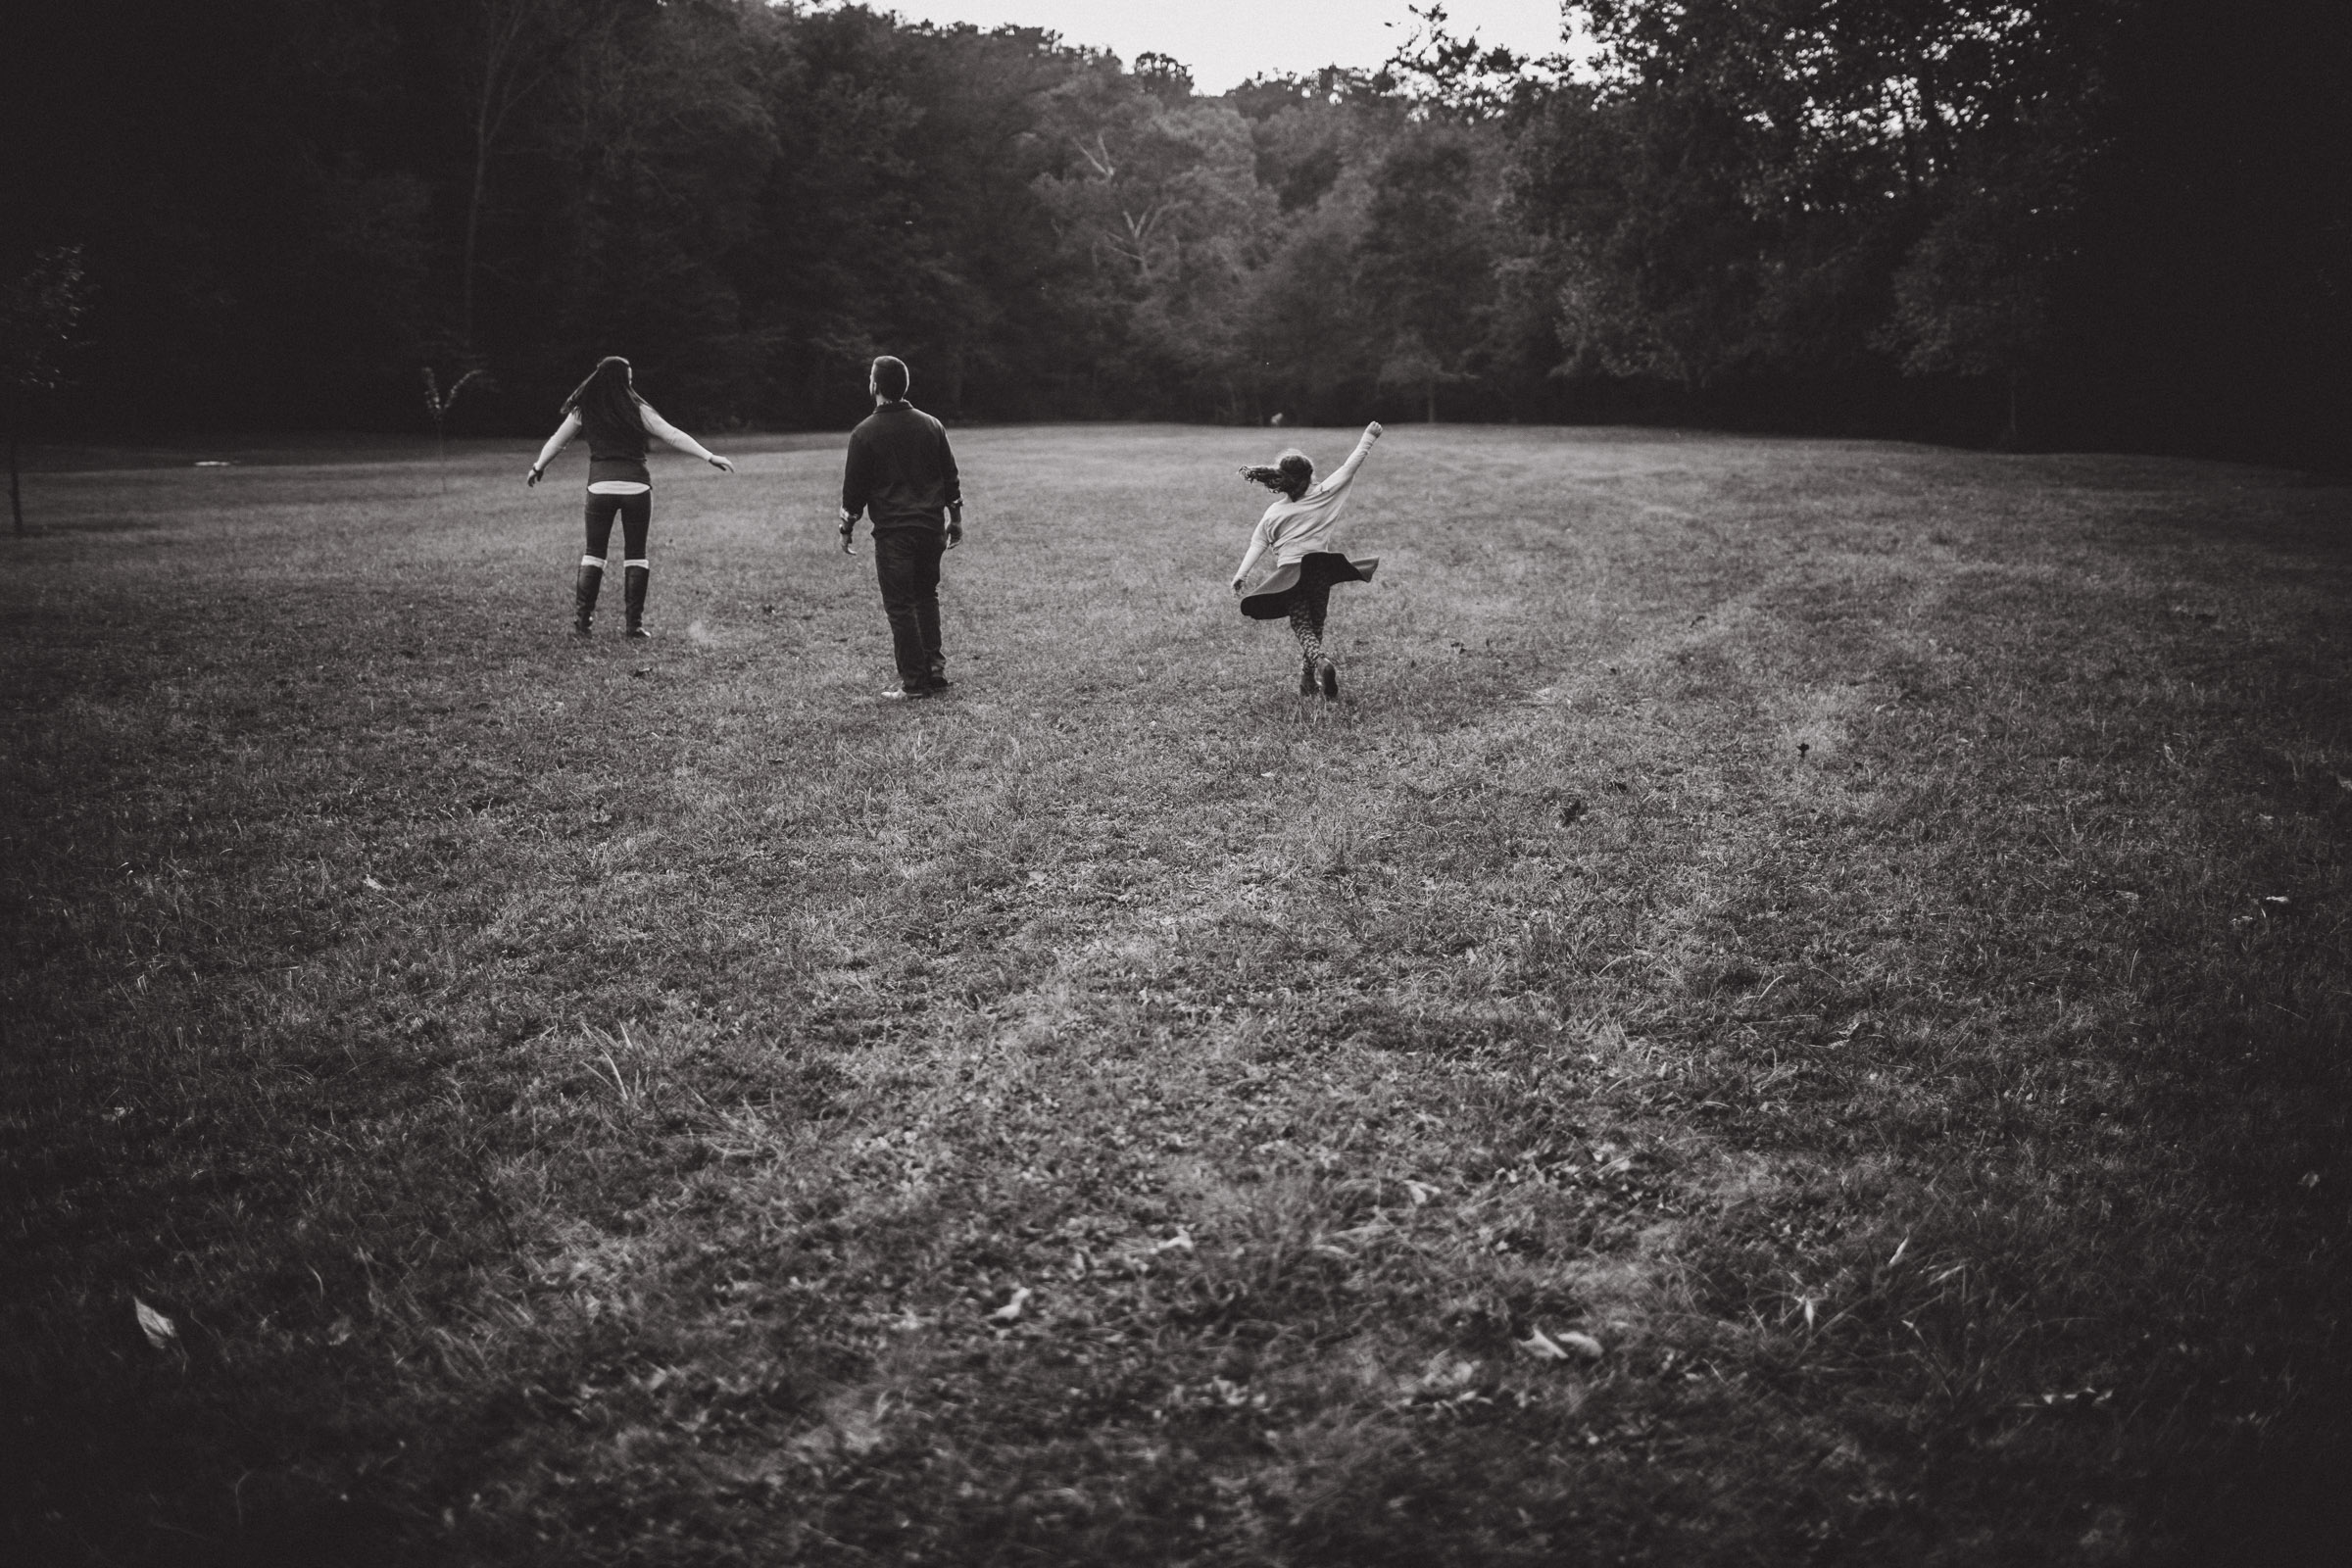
907,563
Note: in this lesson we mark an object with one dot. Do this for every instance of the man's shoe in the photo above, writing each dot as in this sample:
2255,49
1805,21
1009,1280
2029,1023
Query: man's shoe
1329,677
906,690
939,674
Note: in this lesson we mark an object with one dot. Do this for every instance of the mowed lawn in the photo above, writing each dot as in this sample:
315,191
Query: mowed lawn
1796,1011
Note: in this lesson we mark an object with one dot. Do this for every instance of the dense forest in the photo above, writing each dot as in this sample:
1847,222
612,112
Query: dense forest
2042,222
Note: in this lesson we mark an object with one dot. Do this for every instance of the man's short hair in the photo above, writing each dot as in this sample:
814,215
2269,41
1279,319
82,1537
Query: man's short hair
890,377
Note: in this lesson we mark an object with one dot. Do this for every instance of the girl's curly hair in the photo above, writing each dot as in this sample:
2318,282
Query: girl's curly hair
1291,473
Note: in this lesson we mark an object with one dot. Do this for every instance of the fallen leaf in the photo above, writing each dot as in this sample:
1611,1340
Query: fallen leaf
159,1329
368,881
1010,1311
1181,1242
858,1429
1542,1346
1583,1344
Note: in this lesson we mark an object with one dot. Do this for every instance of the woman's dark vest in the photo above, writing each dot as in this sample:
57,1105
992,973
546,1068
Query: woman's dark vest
616,448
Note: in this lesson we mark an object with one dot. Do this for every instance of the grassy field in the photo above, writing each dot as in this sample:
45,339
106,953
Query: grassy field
1796,1012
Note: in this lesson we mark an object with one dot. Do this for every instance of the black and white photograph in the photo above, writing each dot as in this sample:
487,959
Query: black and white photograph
1231,784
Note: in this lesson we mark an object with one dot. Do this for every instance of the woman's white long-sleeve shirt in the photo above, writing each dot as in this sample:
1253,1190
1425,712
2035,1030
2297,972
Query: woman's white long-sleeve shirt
1295,529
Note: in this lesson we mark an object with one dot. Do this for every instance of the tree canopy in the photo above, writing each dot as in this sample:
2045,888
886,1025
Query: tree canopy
2059,221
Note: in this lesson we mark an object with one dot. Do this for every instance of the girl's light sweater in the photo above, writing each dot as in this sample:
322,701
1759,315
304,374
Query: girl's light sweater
1294,530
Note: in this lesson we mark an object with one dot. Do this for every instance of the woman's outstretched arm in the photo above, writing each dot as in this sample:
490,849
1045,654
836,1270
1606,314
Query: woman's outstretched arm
1356,459
555,444
679,438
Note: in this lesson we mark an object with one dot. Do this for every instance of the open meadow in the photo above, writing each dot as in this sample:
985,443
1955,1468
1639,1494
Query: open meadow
1796,1010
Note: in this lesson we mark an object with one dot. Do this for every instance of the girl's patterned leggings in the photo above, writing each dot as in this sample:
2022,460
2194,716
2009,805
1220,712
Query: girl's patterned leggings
1309,606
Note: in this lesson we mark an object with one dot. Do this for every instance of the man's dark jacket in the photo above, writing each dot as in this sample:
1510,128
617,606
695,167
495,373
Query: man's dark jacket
900,469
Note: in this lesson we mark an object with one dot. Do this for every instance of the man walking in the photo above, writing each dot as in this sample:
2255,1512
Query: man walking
900,473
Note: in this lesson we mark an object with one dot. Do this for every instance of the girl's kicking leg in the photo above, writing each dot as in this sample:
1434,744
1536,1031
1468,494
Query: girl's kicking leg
1306,625
1309,607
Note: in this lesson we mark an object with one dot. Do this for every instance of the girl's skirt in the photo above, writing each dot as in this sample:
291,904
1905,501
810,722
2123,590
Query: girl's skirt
1320,570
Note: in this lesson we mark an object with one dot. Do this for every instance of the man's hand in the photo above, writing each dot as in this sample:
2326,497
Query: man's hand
1373,429
531,479
720,463
1237,585
954,526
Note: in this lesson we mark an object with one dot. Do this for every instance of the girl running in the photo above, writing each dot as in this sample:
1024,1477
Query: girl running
618,421
1297,528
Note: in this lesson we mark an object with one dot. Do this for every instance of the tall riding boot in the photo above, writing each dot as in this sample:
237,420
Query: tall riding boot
634,576
583,597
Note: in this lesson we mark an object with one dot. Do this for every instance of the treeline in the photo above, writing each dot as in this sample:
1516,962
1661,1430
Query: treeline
2081,221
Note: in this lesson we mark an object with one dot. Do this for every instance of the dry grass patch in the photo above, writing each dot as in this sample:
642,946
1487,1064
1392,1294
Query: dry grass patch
1793,1013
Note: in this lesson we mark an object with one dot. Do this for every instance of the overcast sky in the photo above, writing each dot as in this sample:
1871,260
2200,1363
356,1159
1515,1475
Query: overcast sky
1225,42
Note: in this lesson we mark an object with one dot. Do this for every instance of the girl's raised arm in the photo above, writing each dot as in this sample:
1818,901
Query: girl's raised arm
555,444
1356,459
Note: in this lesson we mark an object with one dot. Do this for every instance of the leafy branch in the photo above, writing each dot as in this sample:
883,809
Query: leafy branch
437,404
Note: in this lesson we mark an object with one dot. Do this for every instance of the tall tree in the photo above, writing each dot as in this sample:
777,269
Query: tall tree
1972,298
1428,258
41,318
1159,195
511,53
1732,196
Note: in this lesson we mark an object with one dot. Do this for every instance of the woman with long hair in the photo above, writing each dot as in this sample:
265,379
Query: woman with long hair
619,422
1297,528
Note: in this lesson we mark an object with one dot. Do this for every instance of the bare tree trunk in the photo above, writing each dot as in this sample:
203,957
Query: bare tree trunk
16,498
503,24
2009,436
474,225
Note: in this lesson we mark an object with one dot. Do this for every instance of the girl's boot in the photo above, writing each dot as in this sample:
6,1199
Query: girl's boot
633,587
1306,678
1327,675
583,596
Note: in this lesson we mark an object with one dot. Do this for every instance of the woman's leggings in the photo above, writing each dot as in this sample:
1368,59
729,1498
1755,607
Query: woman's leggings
636,515
1309,606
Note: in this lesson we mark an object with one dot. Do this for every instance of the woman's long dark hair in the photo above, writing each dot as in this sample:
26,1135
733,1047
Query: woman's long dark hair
1291,473
608,396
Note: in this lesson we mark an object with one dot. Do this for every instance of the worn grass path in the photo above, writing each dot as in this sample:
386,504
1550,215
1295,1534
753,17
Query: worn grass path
1795,1012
